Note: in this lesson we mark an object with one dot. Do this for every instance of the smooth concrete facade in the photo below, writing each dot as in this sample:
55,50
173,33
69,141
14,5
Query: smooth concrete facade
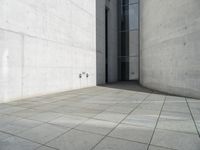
170,47
45,45
112,40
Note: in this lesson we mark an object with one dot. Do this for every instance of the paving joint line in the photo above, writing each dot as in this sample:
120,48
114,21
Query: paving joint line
162,147
70,129
192,117
126,140
156,124
120,122
45,147
42,123
176,131
141,102
13,135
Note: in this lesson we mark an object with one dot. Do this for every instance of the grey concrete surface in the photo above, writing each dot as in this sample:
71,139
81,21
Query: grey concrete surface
94,119
112,41
45,45
169,53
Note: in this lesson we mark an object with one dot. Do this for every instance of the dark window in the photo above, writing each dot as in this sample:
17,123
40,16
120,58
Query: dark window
128,17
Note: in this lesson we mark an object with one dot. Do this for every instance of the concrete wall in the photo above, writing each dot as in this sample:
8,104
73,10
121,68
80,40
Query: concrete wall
134,40
44,45
112,40
170,46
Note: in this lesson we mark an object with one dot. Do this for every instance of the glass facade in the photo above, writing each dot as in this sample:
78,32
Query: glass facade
128,39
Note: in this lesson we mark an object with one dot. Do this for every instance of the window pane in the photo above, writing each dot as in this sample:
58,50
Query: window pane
124,44
129,17
125,18
133,16
126,2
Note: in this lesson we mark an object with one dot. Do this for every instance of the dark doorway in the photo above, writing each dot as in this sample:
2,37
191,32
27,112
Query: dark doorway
106,44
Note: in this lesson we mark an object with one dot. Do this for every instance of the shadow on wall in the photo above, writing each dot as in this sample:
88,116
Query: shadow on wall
100,42
106,41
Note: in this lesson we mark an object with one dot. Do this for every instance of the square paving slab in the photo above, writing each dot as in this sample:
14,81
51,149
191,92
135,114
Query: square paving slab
111,117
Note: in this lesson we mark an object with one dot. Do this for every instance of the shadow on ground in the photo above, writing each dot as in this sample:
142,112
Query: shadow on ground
131,86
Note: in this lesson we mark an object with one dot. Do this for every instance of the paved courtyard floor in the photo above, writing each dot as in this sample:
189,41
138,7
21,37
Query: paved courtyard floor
101,118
